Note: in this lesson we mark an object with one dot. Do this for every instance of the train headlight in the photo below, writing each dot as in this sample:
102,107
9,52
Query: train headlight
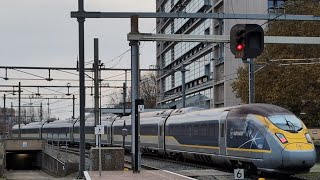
281,137
308,137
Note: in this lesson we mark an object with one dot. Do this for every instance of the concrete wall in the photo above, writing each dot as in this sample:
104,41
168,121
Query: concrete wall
112,159
57,168
24,144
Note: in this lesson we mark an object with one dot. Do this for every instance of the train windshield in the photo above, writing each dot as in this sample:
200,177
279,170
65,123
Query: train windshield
286,122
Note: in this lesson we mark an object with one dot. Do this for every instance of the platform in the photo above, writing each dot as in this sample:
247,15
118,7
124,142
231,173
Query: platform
33,175
143,175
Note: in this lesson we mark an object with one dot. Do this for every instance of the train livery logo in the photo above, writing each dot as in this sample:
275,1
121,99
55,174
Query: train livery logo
235,133
247,136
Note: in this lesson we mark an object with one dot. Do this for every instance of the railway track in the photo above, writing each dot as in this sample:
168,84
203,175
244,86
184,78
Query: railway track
200,167
189,169
186,168
75,151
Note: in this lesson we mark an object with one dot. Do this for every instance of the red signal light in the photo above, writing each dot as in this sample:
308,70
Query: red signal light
240,47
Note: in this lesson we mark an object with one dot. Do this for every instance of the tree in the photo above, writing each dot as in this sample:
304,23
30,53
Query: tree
115,98
148,85
295,87
147,92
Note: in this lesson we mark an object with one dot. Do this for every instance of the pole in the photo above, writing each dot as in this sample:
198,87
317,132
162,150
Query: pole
183,77
48,109
124,98
135,95
251,81
81,88
19,109
99,137
100,99
96,85
73,106
41,113
124,135
124,108
11,119
5,112
41,120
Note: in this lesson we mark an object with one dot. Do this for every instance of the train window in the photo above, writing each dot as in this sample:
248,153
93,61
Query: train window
190,131
170,130
185,130
211,130
286,122
160,130
195,130
181,130
203,131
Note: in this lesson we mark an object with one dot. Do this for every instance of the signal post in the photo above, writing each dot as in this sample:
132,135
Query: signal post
247,42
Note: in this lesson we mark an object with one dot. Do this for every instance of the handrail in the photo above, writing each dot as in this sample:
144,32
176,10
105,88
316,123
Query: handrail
47,152
63,163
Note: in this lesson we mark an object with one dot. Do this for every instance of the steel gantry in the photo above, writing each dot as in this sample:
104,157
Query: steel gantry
81,15
218,38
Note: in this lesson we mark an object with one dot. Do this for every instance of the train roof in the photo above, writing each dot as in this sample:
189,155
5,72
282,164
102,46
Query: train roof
28,126
186,110
151,114
254,108
260,109
59,123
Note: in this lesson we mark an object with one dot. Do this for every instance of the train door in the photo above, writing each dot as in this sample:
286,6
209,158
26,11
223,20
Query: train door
160,134
108,134
222,134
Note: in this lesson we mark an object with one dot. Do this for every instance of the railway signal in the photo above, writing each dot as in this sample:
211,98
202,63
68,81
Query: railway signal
246,40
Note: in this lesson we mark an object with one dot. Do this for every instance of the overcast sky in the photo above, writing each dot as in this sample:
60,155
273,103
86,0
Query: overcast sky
41,33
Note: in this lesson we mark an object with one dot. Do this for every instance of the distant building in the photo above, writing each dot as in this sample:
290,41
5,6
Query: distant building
7,119
211,66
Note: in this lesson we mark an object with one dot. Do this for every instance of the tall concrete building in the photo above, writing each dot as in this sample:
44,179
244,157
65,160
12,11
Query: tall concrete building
211,67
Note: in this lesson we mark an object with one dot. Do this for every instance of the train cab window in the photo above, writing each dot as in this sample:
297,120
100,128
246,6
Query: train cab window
287,122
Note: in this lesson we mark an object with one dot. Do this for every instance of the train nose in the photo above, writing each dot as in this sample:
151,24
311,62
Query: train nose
299,160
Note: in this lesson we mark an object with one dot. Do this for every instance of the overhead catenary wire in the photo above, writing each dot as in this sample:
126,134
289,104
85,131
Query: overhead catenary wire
31,74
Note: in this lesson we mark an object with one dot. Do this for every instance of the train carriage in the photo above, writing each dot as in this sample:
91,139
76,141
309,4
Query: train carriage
60,130
106,121
31,130
259,136
193,133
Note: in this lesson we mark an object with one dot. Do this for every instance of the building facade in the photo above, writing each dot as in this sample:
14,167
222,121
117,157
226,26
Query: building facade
210,67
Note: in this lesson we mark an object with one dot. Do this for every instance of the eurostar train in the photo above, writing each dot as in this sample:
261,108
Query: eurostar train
265,137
